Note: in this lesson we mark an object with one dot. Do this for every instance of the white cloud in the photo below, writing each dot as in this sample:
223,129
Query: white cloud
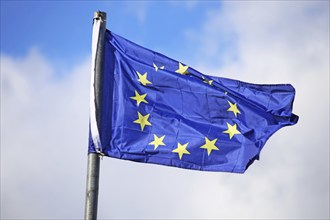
257,36
44,127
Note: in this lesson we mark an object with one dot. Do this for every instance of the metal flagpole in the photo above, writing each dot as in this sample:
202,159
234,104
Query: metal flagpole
93,167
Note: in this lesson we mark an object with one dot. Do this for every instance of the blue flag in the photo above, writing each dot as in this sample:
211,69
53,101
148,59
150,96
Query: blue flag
161,111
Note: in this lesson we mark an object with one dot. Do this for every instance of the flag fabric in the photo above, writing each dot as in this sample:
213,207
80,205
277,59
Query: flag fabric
161,111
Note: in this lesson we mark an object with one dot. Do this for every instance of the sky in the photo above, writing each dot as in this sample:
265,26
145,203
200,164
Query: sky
45,79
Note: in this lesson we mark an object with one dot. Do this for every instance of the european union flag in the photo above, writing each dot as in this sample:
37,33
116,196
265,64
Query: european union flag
158,110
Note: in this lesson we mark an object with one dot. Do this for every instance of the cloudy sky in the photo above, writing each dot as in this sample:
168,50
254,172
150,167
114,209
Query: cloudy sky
45,76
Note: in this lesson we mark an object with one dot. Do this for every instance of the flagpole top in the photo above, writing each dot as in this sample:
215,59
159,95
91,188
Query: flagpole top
100,15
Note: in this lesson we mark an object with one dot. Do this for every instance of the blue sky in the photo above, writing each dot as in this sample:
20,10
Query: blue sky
58,27
45,79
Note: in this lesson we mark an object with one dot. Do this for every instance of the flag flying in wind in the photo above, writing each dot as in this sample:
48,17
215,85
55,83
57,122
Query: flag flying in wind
158,110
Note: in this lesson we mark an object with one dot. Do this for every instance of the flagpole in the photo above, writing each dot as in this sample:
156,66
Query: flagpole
93,167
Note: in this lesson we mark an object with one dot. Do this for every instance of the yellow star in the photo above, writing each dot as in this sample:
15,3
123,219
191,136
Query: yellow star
139,98
209,145
143,78
208,81
232,130
183,70
156,67
233,108
157,141
142,120
181,149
